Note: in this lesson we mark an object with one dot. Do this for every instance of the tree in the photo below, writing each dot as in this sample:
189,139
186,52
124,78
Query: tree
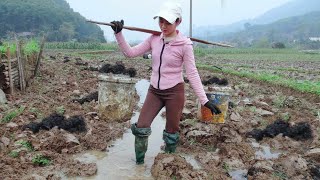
66,31
54,17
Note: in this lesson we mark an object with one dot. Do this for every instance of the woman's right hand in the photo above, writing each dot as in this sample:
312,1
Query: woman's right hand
118,25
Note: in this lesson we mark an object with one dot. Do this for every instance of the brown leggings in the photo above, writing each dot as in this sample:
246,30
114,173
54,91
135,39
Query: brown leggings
172,98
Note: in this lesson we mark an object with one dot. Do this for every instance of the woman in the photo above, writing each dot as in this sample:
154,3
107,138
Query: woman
170,51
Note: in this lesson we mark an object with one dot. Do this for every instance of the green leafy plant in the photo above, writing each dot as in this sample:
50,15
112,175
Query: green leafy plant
285,117
192,141
41,160
280,175
11,115
14,154
279,102
60,110
253,109
3,48
191,122
226,167
27,145
32,47
36,112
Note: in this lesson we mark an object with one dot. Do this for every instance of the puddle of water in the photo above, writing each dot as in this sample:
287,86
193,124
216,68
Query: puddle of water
239,174
191,160
264,152
119,162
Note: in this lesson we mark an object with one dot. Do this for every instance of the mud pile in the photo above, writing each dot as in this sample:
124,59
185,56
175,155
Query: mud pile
170,166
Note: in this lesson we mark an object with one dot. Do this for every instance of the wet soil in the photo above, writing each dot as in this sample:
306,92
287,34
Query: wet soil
222,151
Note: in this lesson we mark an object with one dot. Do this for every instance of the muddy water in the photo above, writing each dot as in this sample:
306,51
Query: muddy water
264,152
119,161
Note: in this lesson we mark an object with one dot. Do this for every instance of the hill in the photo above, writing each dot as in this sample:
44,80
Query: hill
53,17
293,30
292,8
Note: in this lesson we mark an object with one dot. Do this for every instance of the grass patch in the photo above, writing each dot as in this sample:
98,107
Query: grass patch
12,46
36,112
302,86
285,116
41,160
191,122
279,101
280,175
11,115
192,141
82,46
31,47
14,154
225,167
60,110
26,144
252,54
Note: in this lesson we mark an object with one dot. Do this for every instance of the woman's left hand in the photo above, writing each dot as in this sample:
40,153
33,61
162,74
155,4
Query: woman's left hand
214,109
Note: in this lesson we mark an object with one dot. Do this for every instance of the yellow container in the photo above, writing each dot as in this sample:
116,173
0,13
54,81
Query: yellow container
220,97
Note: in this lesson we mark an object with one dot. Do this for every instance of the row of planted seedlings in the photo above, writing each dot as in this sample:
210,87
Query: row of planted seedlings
78,45
243,62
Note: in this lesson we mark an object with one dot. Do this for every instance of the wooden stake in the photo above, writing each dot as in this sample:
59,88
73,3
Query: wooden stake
9,70
158,33
39,56
20,66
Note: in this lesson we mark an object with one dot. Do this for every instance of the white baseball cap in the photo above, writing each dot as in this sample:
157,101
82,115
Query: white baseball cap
170,11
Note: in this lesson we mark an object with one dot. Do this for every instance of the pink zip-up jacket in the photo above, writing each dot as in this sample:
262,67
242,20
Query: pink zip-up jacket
167,61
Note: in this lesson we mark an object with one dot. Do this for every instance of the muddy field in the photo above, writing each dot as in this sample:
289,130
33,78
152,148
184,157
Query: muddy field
270,133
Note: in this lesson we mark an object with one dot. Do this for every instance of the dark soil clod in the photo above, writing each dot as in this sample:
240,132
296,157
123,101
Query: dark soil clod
215,80
73,124
300,131
118,68
89,98
315,172
131,72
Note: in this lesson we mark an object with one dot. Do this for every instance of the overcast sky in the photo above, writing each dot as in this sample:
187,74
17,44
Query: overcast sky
139,13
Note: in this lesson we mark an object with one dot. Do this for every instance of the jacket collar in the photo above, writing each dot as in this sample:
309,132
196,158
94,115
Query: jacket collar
178,40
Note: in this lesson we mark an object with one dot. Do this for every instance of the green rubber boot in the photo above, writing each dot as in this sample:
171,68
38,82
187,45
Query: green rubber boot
141,142
171,141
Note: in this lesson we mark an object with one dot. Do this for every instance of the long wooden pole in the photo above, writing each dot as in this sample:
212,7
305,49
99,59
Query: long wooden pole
158,33
190,25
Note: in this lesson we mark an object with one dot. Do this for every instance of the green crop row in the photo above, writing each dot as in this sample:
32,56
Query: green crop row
28,48
76,45
252,54
302,86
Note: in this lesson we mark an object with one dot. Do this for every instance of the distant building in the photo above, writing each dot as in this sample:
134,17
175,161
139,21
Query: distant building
25,34
314,38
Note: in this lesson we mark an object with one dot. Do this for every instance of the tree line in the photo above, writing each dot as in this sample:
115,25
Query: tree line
293,31
54,18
